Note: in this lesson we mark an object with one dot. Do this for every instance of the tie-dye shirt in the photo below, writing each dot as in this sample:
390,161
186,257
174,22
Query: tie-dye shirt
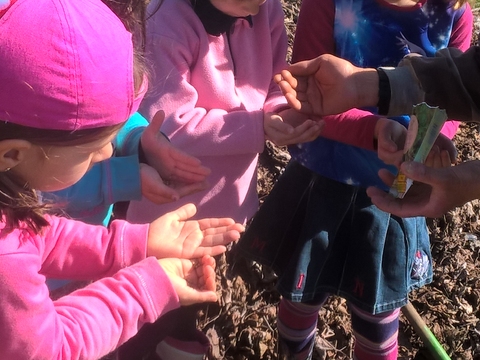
370,33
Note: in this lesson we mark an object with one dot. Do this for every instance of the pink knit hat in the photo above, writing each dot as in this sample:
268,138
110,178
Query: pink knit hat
64,65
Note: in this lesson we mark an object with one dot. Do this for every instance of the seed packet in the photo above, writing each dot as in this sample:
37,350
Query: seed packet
425,125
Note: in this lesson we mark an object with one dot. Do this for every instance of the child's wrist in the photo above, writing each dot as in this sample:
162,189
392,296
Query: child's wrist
376,132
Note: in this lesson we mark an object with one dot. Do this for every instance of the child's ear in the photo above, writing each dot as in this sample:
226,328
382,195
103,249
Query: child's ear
12,152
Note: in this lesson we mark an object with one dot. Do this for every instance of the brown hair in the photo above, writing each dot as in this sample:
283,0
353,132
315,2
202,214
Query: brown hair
132,13
19,204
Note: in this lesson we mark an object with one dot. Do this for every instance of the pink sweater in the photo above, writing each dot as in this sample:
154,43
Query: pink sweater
214,91
92,321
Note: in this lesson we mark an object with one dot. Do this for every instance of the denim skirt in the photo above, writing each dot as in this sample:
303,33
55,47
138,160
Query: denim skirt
322,237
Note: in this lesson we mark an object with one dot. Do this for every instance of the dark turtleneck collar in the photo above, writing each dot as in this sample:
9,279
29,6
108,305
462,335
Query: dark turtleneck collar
214,21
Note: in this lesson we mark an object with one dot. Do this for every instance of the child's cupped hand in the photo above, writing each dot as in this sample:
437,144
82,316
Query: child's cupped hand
438,158
290,127
173,165
158,191
193,280
443,153
391,136
173,235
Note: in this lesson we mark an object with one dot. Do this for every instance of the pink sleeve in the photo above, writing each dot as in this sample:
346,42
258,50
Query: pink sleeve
460,38
314,37
184,76
88,323
275,101
194,129
354,127
70,244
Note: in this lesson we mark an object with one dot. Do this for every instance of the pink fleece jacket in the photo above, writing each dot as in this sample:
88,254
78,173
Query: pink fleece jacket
90,322
214,91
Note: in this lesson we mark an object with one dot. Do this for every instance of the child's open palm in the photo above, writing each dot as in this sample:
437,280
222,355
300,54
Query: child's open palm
173,235
171,163
193,280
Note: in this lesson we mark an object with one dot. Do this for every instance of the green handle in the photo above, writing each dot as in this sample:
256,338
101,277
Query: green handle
430,341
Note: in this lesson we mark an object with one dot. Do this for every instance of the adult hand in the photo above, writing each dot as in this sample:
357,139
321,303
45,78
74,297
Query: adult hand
290,127
434,190
328,85
193,280
173,235
172,164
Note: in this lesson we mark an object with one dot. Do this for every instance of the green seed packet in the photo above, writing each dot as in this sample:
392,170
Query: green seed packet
423,129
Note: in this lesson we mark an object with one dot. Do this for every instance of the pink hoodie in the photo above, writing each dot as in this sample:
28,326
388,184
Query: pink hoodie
214,91
90,322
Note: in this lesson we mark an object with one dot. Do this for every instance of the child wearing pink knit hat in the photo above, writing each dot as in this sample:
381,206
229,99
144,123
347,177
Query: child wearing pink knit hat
67,84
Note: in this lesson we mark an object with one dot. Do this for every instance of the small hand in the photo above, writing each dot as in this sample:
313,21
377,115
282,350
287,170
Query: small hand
291,127
159,192
390,136
173,235
438,158
171,163
193,280
444,144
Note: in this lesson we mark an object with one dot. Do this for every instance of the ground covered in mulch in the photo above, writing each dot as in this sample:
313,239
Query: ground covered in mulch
242,325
